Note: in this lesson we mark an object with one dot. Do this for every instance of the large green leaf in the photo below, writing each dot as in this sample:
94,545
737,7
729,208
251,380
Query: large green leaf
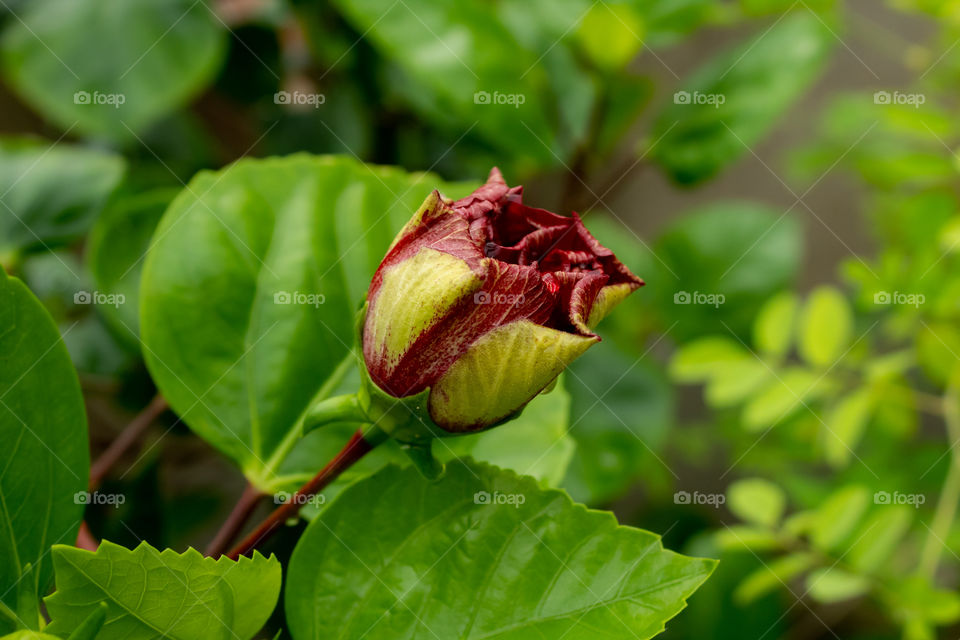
51,194
250,290
163,594
725,107
511,560
129,64
44,460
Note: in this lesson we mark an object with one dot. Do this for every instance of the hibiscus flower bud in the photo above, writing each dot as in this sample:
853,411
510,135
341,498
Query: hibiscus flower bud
480,303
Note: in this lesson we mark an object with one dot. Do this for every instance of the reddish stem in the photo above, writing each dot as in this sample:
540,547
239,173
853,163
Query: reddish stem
356,448
86,539
234,523
130,435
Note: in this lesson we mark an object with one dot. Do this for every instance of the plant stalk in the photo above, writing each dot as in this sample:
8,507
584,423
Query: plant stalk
130,435
359,445
950,493
234,523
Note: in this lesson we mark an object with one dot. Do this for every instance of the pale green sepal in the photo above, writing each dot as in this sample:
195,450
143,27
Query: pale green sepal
423,459
333,410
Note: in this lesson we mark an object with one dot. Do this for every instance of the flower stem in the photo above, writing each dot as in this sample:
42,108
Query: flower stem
950,493
234,523
360,444
130,435
336,409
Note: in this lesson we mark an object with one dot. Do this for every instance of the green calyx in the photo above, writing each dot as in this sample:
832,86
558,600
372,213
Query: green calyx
406,420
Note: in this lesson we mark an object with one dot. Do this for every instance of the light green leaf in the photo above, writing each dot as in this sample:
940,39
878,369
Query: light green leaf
786,394
611,34
728,105
250,290
163,594
44,460
825,327
524,563
773,575
702,359
29,635
115,252
740,537
147,59
756,501
838,517
51,194
846,422
773,329
938,344
737,381
834,585
878,537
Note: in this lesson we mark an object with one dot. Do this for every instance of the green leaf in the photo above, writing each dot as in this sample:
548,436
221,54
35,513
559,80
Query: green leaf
465,69
744,251
29,635
846,422
791,390
937,344
834,585
703,359
729,104
737,382
739,537
825,326
773,575
878,538
611,34
773,329
621,414
51,194
524,563
116,249
147,59
838,516
249,294
163,594
43,428
756,501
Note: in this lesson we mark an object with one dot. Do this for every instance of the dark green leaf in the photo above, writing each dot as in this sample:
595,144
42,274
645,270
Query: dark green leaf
728,105
131,63
744,252
51,194
115,254
622,411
